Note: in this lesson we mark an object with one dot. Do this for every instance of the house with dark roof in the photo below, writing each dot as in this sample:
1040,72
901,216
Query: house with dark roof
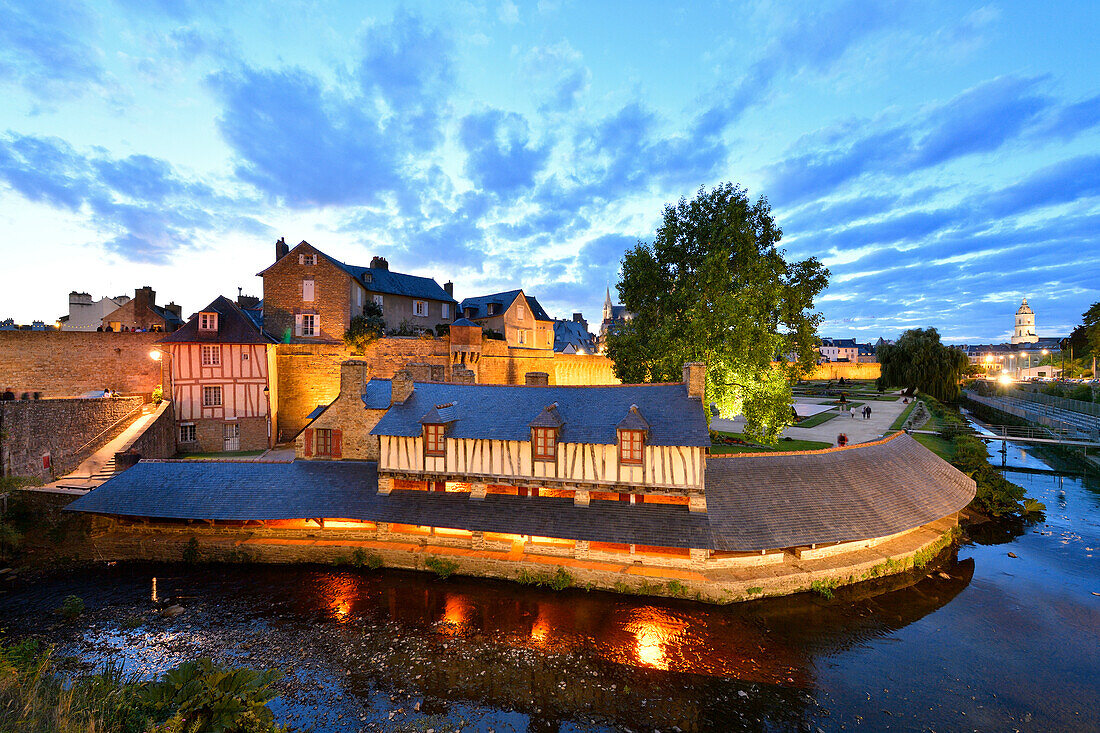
143,314
516,315
839,350
223,390
312,297
573,336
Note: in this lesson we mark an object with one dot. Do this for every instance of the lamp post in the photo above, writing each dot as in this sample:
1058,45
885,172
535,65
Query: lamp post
267,400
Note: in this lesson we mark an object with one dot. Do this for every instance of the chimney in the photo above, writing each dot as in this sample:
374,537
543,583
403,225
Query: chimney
578,318
173,308
401,387
462,375
537,379
379,263
281,249
695,379
449,288
353,378
144,296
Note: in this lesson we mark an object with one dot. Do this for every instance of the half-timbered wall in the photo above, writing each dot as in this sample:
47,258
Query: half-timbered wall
664,467
241,373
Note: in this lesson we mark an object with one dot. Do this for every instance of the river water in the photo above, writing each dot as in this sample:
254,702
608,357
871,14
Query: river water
986,642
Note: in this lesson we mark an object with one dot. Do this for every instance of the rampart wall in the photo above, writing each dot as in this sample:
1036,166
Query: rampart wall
846,369
158,440
70,363
60,428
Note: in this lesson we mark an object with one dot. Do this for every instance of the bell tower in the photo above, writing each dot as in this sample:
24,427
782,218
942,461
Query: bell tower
1024,332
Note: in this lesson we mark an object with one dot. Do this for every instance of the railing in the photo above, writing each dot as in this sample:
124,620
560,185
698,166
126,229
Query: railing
1062,403
1047,424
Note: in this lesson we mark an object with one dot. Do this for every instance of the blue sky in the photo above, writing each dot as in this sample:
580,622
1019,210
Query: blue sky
941,158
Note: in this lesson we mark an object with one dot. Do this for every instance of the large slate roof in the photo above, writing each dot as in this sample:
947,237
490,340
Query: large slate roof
382,280
480,304
590,414
754,502
234,327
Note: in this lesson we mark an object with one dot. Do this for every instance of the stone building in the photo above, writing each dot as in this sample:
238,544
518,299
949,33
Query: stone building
86,314
310,297
515,315
839,349
1024,330
613,317
223,384
573,336
143,314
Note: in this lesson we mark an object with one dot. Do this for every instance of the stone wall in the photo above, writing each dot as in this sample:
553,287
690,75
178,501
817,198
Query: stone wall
158,440
61,428
347,415
70,363
846,369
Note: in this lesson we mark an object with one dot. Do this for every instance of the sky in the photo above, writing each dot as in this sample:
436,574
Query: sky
941,158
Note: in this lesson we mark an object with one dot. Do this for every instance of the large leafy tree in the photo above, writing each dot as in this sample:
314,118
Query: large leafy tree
919,361
713,287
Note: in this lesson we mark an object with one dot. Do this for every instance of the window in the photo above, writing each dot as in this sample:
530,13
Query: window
324,441
187,433
307,259
309,324
208,321
434,444
521,313
522,336
546,444
630,447
378,300
445,311
211,355
212,396
307,291
359,297
420,308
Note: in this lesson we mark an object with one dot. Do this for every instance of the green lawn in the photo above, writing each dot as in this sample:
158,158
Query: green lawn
904,414
782,445
223,454
815,420
945,449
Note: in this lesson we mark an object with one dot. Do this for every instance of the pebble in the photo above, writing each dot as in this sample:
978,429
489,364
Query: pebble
1012,554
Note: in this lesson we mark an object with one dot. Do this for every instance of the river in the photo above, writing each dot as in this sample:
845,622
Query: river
986,642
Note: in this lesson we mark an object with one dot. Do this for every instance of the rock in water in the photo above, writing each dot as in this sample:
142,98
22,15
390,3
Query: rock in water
1012,554
172,611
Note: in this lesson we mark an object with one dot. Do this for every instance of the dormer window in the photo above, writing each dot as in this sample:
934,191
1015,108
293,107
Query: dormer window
434,442
630,447
546,444
208,321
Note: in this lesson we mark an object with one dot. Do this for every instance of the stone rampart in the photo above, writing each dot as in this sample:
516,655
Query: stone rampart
158,440
846,369
65,430
70,363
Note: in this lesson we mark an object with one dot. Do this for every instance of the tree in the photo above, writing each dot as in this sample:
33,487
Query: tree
1090,322
365,329
919,361
713,287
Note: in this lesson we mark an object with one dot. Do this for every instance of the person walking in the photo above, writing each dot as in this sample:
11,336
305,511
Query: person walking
867,412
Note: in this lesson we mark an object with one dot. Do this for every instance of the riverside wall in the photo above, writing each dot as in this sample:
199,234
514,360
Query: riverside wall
70,363
43,438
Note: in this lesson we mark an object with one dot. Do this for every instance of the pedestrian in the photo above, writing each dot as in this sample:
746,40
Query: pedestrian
868,412
8,395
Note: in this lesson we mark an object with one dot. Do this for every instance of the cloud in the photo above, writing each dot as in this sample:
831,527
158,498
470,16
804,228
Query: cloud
508,13
146,209
559,70
499,158
41,49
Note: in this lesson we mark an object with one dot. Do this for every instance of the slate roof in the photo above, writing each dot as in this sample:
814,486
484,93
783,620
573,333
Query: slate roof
234,327
396,283
505,412
378,394
480,304
633,420
440,414
840,343
571,333
754,502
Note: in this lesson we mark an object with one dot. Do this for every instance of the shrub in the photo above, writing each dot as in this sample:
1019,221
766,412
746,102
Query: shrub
365,329
158,394
191,551
441,566
754,590
824,588
676,588
204,696
561,580
10,540
71,607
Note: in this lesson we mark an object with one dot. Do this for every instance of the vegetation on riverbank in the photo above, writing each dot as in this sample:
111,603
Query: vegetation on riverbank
199,696
721,442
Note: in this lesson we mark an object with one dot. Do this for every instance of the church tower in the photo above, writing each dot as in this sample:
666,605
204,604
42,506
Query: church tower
607,312
1024,332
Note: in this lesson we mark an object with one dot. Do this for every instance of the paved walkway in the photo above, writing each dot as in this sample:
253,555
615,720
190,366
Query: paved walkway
100,466
856,428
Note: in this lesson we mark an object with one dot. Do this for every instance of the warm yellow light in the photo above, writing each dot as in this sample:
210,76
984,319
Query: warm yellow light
154,355
1005,379
1045,352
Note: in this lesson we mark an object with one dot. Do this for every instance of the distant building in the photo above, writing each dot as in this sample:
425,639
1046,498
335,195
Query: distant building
310,296
613,317
839,349
1024,332
867,353
143,314
519,317
86,314
573,336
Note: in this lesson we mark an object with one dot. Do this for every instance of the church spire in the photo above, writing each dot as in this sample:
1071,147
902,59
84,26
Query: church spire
607,305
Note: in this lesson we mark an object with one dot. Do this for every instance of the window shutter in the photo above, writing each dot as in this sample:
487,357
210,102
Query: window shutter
301,259
297,324
336,436
307,450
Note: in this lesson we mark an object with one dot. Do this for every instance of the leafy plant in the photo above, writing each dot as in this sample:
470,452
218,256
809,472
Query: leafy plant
202,695
441,566
158,395
361,558
754,590
71,607
676,588
824,588
365,329
561,579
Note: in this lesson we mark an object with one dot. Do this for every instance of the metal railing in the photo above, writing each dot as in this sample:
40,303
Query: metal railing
1062,403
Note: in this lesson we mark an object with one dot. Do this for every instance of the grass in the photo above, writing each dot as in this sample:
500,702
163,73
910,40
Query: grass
441,566
815,420
903,416
222,454
824,588
943,448
783,445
